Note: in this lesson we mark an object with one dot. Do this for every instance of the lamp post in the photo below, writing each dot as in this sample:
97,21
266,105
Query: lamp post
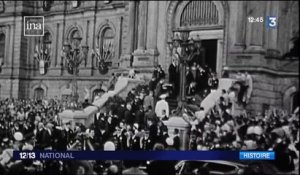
185,48
74,55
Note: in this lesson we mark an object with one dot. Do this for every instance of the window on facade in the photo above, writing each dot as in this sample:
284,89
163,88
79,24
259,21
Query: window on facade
200,13
106,43
75,39
2,46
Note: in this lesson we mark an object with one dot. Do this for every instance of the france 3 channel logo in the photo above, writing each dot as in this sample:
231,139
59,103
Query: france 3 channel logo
33,25
272,22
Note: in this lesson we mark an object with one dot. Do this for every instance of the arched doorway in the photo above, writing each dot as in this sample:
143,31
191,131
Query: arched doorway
39,93
206,19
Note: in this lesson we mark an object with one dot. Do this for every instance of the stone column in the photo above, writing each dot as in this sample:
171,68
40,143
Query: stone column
257,28
152,31
142,25
146,53
241,21
127,57
271,34
131,29
152,27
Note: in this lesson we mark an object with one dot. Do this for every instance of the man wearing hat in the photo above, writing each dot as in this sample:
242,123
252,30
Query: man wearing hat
162,105
146,143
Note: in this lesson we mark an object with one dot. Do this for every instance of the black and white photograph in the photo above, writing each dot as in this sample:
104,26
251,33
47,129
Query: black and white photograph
149,76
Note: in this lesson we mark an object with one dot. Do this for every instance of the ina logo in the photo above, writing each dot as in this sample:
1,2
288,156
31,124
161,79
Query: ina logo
33,26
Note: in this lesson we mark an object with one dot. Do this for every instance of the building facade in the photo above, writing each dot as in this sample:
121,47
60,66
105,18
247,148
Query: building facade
137,33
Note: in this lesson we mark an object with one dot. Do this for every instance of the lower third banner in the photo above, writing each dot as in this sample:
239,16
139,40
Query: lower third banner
131,155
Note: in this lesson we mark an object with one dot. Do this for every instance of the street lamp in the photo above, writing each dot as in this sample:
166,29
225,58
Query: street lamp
185,48
74,55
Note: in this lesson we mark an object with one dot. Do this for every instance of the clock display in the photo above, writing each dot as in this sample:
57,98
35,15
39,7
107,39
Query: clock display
27,155
252,19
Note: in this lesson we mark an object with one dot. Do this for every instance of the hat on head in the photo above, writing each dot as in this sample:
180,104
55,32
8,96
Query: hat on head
163,96
5,139
170,141
257,130
136,125
18,136
28,147
109,146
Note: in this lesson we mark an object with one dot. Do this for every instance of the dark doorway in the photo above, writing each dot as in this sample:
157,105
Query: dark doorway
39,93
210,59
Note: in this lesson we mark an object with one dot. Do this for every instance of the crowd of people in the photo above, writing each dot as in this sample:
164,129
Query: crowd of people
137,123
198,79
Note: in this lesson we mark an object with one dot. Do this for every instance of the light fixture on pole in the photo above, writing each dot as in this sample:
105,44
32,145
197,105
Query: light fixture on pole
185,48
74,55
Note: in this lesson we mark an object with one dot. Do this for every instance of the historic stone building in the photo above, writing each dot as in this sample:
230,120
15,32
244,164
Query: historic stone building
138,32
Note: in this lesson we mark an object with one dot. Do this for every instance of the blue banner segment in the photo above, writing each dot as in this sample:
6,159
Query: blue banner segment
126,155
257,155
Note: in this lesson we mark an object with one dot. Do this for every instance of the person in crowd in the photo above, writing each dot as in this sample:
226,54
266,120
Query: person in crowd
152,84
140,117
161,73
189,76
191,89
149,100
153,131
129,118
155,75
174,76
213,82
150,115
176,139
131,73
112,81
248,87
194,71
146,143
162,105
159,90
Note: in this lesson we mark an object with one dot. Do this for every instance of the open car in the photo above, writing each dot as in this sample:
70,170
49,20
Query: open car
214,167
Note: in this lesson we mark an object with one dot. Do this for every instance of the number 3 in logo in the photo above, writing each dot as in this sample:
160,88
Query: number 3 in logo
272,22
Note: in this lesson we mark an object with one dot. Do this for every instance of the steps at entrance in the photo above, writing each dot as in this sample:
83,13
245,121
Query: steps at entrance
86,116
210,101
172,103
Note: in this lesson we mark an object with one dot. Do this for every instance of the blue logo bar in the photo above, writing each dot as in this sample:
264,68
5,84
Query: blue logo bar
257,155
126,155
272,22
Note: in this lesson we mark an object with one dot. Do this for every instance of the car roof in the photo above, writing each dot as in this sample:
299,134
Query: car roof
231,163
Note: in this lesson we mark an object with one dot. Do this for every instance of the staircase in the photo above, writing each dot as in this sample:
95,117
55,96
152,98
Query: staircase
210,101
86,116
172,103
